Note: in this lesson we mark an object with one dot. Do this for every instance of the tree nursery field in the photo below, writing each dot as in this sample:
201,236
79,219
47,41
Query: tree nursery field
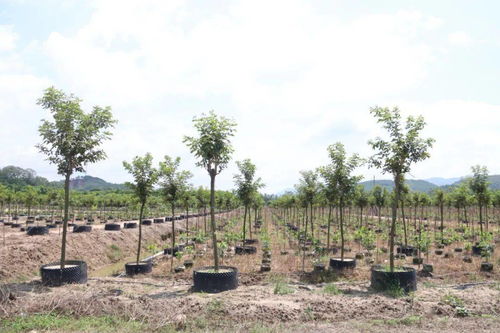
163,256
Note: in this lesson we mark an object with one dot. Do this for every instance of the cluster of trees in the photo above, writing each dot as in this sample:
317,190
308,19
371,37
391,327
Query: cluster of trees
339,187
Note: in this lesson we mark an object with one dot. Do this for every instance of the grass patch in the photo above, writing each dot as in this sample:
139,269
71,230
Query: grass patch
114,253
282,288
331,289
50,322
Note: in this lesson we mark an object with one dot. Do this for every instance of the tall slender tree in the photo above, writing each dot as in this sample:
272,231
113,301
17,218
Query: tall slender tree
174,184
213,150
72,140
396,155
145,177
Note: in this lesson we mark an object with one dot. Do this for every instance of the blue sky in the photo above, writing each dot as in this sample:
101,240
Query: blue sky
295,75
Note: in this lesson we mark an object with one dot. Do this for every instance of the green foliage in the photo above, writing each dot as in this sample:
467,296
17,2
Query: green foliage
246,184
213,146
145,176
174,183
479,184
74,138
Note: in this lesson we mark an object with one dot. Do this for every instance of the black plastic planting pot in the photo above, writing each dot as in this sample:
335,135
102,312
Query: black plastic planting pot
146,222
143,267
37,230
130,225
245,249
207,280
404,277
177,248
339,264
409,251
478,250
75,271
82,228
159,220
112,227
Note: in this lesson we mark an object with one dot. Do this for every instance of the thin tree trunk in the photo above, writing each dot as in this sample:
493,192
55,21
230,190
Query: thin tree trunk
65,221
141,212
212,219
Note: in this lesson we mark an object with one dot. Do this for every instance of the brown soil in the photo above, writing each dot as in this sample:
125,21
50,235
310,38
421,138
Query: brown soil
161,301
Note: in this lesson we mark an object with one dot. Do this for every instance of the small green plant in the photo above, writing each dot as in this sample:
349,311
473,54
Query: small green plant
331,289
394,290
308,313
456,303
152,248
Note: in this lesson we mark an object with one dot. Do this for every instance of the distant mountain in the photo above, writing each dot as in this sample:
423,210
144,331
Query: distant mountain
414,184
440,181
17,177
89,183
494,181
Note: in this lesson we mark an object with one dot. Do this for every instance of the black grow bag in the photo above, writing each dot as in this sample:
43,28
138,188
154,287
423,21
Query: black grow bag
82,228
159,220
132,268
245,249
206,280
409,251
251,241
75,271
381,279
339,264
177,248
112,227
15,225
146,222
130,225
37,230
479,250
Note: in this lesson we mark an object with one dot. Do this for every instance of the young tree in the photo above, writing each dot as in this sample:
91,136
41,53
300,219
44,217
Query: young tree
246,187
213,149
331,193
479,187
308,189
345,183
145,177
396,155
72,140
174,184
439,199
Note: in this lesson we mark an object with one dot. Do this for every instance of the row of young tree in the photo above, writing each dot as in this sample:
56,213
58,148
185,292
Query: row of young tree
335,186
73,139
49,202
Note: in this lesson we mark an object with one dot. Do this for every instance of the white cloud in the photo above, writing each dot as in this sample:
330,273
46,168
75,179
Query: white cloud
460,38
293,78
7,38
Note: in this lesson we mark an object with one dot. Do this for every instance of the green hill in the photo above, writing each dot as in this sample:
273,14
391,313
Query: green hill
494,181
17,177
414,184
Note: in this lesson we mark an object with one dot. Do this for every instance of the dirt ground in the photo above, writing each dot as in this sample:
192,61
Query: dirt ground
458,297
162,301
22,255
